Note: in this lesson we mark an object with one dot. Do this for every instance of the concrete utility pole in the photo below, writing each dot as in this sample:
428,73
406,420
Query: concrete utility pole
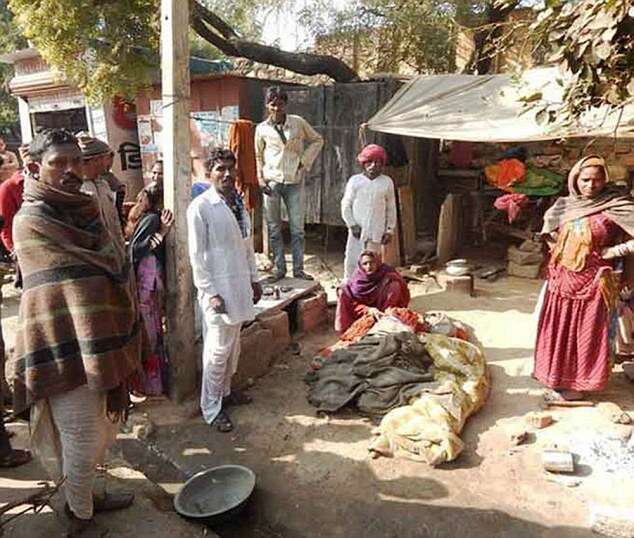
177,184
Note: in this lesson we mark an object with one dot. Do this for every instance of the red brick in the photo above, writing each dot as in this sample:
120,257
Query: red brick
277,323
256,350
312,311
539,420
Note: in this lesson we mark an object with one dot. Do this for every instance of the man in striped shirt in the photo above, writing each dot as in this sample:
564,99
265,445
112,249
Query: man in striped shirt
285,147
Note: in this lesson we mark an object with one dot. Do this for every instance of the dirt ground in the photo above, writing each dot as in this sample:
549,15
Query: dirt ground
314,476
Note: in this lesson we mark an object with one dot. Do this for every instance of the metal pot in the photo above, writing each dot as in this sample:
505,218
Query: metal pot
216,495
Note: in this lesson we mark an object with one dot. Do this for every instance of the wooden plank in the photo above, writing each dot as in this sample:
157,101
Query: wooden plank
407,222
448,228
391,252
177,186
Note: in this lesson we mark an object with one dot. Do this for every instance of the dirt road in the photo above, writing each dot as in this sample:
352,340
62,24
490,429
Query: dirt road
315,477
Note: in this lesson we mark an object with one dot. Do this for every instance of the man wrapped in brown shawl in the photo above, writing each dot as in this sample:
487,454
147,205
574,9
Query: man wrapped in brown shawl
79,335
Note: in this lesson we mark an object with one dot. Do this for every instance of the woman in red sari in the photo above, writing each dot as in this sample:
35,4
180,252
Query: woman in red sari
586,231
374,286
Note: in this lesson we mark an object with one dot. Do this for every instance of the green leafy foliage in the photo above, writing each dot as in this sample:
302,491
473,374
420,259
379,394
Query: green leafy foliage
10,39
111,47
594,43
389,35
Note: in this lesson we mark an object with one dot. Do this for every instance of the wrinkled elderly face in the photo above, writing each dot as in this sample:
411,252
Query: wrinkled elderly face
591,181
373,169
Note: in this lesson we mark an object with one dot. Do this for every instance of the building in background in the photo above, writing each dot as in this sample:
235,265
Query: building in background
46,101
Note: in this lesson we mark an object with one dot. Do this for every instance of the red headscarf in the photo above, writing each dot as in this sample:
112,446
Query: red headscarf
372,152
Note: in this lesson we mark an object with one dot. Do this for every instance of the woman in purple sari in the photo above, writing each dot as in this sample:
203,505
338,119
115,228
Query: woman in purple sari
148,257
374,285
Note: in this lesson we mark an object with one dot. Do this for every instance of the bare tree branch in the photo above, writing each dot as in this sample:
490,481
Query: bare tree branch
200,11
209,35
217,32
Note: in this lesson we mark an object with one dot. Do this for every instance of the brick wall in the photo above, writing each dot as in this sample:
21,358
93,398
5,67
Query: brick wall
559,156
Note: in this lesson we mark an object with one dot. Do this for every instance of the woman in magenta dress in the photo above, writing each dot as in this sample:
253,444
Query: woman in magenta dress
587,232
373,286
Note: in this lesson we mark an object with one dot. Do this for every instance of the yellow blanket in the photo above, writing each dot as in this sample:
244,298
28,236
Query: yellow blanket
428,428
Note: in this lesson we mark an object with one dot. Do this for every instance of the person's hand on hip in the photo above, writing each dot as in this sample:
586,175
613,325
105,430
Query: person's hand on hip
217,304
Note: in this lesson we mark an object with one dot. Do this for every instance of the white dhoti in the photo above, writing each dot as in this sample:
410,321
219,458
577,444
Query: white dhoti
221,350
354,248
70,434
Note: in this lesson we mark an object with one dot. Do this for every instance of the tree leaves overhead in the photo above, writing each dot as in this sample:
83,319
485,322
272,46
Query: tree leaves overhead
10,39
105,47
594,41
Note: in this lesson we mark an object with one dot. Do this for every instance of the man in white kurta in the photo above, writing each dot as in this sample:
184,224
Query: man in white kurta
368,207
225,275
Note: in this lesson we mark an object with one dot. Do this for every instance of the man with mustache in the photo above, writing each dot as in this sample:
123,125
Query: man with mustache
78,339
223,263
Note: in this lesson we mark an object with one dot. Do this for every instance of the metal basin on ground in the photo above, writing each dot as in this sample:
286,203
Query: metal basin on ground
215,495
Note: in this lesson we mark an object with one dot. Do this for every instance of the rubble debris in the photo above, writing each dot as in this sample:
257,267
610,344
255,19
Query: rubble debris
558,461
569,403
614,413
605,453
539,420
613,522
564,480
518,437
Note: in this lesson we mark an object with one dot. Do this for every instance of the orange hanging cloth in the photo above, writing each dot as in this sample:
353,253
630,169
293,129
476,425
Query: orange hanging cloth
242,143
505,173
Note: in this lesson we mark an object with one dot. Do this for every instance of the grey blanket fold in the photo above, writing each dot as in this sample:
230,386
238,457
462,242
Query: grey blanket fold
375,374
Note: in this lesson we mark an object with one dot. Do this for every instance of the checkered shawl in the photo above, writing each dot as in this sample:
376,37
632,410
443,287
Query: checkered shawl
79,319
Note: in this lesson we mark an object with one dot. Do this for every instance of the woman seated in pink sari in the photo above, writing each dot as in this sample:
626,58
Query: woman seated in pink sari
373,287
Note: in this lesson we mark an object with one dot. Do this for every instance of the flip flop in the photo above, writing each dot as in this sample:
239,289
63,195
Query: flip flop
15,458
223,422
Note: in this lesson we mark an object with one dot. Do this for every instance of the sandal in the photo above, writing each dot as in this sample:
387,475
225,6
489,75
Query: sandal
15,458
237,397
223,422
303,276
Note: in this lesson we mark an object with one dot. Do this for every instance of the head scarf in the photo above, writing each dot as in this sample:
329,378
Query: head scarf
372,152
615,202
365,287
155,197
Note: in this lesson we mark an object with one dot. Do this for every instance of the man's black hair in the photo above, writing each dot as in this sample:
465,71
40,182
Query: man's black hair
275,92
219,154
46,138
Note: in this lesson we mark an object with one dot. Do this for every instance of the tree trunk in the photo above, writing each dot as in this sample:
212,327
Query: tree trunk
482,59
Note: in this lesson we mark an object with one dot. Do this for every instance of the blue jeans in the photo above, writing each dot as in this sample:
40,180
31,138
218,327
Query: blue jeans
293,200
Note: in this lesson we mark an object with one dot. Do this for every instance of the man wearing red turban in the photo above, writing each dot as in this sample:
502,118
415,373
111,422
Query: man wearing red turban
368,207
